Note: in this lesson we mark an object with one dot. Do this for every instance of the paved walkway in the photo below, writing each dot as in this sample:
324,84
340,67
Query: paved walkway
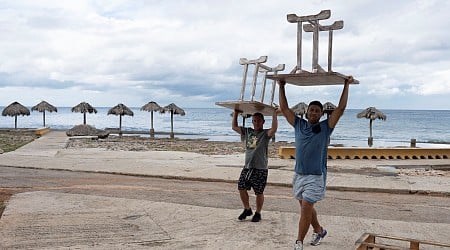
48,220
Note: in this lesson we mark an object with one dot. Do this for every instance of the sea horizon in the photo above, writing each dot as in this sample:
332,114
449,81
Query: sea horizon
428,127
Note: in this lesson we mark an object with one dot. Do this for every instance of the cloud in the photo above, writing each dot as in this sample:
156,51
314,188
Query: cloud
188,51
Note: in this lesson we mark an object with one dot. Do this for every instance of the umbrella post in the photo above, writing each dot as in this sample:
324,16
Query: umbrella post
15,122
151,106
120,125
42,107
173,109
152,131
172,135
370,141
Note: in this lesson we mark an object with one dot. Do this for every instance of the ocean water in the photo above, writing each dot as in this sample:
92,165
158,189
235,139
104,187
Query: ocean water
430,128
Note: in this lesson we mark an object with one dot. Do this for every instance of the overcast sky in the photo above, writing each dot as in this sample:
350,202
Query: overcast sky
187,52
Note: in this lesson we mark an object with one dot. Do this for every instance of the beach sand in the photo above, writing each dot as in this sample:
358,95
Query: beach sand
202,146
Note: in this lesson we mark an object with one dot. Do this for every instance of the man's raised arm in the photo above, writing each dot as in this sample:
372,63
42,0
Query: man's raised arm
284,107
234,123
339,111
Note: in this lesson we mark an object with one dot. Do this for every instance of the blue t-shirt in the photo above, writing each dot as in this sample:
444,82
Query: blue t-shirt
311,147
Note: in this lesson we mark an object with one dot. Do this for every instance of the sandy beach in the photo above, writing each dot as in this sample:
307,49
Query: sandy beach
137,143
11,139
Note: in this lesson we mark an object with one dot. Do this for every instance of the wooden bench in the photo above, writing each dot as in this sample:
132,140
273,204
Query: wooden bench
41,131
368,241
375,153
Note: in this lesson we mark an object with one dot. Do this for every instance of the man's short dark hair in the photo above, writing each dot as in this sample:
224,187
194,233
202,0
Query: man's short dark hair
317,103
259,114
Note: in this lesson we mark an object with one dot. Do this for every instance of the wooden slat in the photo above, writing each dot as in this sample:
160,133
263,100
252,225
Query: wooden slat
248,107
382,246
367,241
312,79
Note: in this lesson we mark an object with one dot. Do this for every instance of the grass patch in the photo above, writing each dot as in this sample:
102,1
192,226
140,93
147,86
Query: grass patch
11,140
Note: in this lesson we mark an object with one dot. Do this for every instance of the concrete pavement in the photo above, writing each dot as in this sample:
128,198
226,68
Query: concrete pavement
50,220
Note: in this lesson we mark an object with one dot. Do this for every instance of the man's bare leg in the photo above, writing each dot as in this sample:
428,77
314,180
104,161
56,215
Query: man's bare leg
244,198
259,202
306,215
315,222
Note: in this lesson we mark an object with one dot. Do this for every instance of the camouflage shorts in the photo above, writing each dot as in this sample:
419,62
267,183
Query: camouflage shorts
253,178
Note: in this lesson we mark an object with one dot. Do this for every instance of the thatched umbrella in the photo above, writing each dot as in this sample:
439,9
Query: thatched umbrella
44,106
173,109
300,109
120,110
371,113
151,107
84,108
328,108
15,109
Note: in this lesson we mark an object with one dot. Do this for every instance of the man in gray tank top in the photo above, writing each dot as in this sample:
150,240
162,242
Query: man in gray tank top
255,171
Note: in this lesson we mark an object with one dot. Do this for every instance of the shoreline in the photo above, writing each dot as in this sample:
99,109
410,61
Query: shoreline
430,130
136,141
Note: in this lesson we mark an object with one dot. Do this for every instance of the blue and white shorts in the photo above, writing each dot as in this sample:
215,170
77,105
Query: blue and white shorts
308,187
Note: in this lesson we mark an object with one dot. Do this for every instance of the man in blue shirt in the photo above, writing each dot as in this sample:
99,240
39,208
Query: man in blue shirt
311,143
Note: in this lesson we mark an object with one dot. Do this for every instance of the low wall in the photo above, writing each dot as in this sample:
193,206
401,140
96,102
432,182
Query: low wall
41,131
375,153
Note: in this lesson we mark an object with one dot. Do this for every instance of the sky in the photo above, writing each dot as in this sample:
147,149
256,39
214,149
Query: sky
187,51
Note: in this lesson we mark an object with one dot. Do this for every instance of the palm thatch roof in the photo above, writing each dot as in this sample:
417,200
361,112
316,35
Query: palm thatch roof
120,109
84,108
300,108
173,109
328,107
151,106
42,107
15,109
371,113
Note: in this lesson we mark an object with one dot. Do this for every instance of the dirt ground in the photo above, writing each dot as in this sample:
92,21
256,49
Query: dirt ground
10,140
4,197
